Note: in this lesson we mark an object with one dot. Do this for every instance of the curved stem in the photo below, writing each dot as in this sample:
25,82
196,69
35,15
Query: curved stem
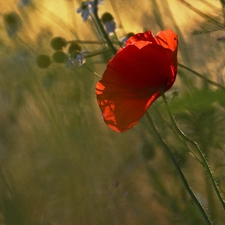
105,35
201,76
201,154
179,171
194,154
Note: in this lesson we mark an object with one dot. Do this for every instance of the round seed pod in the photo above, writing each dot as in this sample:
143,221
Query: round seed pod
60,57
12,23
58,43
74,47
106,17
43,61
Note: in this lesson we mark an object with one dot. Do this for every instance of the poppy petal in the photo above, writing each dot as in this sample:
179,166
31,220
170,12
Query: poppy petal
167,39
132,81
121,109
147,36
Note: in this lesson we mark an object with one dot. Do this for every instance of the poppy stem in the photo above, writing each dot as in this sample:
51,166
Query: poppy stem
192,152
201,76
105,35
179,171
201,154
92,70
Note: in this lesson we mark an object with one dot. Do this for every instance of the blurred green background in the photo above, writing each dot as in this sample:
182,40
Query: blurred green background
61,165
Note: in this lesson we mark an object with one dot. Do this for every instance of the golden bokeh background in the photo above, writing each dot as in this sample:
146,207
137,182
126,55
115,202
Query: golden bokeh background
59,163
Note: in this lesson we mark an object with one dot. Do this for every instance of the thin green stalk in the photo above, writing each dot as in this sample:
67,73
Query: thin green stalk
99,52
179,171
178,136
200,13
92,70
201,76
201,154
105,35
223,9
98,30
118,40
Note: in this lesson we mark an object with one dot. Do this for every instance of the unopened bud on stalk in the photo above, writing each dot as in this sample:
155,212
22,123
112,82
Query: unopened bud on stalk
60,57
108,21
12,23
43,61
58,43
74,47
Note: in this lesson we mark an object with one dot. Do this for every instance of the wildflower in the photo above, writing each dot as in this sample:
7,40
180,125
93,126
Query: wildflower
84,10
134,77
77,59
43,61
109,22
87,8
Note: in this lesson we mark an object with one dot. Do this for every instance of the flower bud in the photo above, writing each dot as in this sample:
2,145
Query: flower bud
74,47
60,57
12,23
109,22
58,43
43,61
106,17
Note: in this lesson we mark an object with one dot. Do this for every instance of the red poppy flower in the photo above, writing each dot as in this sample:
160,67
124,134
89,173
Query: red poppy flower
134,77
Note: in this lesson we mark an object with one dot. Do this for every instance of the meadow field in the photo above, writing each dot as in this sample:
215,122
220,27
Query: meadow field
61,165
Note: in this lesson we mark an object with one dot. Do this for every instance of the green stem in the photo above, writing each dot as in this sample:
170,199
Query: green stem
118,40
201,76
105,35
99,52
179,171
201,154
98,31
178,136
92,70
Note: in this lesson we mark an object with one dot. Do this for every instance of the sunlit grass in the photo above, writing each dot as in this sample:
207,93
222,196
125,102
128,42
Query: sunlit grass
60,164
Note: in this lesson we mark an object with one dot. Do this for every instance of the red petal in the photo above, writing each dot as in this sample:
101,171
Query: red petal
167,39
132,81
121,109
147,36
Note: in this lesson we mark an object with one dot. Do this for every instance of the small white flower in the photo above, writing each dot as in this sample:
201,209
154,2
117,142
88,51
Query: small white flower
84,9
87,8
77,61
110,26
108,21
